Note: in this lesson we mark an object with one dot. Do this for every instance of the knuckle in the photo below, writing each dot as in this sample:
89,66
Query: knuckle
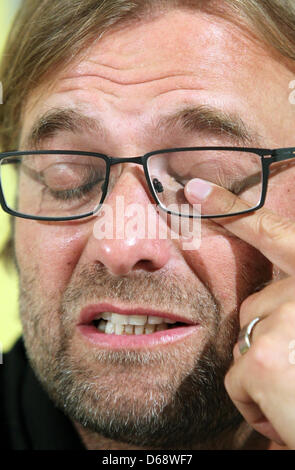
246,308
286,313
263,355
250,308
270,226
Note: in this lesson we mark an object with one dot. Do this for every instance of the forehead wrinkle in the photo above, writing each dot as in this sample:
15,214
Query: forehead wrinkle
212,120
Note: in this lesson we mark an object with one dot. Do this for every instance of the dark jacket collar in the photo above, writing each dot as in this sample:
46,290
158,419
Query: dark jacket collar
30,419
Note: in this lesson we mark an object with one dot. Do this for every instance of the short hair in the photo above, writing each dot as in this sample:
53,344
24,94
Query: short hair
48,34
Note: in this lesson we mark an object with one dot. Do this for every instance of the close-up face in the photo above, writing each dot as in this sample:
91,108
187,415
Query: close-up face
138,89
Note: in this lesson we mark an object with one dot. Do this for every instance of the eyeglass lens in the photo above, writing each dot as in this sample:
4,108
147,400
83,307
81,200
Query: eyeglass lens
54,185
238,172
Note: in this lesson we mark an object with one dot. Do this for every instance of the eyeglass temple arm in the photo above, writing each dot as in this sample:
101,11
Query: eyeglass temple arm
10,161
279,155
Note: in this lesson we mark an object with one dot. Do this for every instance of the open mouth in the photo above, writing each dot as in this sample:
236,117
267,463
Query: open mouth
112,327
118,324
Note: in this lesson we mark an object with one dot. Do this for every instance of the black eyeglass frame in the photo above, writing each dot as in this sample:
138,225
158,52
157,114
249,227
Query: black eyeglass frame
267,156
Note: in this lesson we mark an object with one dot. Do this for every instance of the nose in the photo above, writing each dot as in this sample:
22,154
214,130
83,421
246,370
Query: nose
128,232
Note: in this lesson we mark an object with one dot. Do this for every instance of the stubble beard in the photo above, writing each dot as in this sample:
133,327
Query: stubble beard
151,399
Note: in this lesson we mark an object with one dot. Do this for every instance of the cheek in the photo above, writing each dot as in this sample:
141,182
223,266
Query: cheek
229,267
48,252
281,194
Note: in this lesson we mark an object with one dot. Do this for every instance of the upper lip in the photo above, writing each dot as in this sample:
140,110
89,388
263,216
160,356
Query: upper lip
92,311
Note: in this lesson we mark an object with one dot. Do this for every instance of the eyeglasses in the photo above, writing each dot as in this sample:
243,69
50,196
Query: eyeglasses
65,185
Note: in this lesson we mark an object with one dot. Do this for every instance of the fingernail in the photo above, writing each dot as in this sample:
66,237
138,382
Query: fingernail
198,189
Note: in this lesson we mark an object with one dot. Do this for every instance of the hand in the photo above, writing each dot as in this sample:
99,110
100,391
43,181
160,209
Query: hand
261,383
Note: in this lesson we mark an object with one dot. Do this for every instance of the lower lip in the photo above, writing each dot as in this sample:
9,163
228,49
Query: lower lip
112,341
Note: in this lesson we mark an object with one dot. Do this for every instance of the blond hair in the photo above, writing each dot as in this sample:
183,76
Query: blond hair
48,34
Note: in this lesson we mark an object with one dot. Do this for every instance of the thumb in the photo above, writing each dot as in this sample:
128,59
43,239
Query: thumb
212,198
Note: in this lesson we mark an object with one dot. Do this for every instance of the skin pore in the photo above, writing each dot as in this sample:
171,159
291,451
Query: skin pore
170,395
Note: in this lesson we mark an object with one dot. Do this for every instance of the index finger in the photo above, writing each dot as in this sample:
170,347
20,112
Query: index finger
272,234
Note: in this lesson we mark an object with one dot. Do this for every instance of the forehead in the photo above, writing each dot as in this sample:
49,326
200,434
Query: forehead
177,56
177,43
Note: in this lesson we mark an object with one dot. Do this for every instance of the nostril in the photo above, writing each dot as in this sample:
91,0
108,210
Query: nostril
146,265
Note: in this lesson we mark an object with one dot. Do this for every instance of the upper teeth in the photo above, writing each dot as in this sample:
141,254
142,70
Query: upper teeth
119,319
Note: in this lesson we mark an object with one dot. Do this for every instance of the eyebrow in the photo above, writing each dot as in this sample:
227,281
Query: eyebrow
60,120
214,121
192,119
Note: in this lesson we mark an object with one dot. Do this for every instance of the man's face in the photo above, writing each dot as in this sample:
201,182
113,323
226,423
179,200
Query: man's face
165,388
